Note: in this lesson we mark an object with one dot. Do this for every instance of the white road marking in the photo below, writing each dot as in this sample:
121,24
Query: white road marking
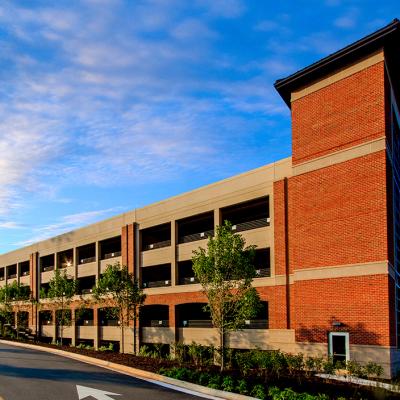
84,391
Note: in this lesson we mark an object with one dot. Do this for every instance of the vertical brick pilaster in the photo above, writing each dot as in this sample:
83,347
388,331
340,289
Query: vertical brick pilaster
53,316
73,326
33,274
96,338
128,247
174,243
172,320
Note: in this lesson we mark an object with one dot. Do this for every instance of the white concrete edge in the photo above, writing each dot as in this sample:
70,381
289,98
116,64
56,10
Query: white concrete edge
361,382
151,377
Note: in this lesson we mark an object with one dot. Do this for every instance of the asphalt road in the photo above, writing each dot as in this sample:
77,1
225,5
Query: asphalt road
34,375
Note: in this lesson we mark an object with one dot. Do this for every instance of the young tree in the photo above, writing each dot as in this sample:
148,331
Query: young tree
5,306
62,289
118,287
13,298
226,270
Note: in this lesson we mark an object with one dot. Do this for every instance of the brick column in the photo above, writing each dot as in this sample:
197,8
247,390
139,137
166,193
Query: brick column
217,218
53,313
174,243
96,339
97,260
128,247
75,262
73,326
33,275
172,320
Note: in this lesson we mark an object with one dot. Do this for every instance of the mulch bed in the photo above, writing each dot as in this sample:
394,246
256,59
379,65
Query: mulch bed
311,384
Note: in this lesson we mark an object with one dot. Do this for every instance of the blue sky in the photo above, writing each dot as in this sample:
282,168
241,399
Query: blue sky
109,105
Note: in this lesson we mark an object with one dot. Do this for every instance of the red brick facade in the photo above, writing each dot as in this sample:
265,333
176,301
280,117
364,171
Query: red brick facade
339,116
337,215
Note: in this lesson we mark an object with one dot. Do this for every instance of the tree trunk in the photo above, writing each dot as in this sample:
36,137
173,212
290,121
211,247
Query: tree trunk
134,333
62,327
222,347
16,324
62,321
122,334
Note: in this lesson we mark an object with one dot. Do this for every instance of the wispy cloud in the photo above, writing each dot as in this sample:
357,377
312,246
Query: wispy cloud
348,20
10,225
68,223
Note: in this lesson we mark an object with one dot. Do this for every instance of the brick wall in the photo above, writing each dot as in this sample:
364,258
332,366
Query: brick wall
348,112
337,215
279,227
360,303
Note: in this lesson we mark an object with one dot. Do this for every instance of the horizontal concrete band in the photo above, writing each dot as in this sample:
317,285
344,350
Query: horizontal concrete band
157,379
344,73
342,271
340,156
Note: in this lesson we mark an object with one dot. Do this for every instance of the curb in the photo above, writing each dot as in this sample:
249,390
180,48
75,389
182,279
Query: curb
174,384
362,382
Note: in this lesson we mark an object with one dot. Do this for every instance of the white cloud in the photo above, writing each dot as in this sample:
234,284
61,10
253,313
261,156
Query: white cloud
348,20
224,8
67,224
105,99
10,225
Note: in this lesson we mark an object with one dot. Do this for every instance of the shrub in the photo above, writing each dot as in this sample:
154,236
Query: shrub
314,364
295,363
328,366
373,369
242,387
179,350
200,355
228,384
204,378
289,394
245,361
355,369
259,392
180,373
144,351
214,382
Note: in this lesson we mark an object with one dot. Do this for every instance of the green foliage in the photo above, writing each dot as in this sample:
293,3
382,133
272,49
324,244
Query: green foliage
226,270
180,373
84,346
63,317
109,348
228,384
245,362
179,350
214,382
14,292
314,364
328,366
370,370
241,387
289,394
258,392
120,287
62,287
43,293
204,378
373,369
200,355
295,363
155,351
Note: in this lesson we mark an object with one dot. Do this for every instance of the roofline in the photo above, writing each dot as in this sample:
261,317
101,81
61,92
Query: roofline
340,58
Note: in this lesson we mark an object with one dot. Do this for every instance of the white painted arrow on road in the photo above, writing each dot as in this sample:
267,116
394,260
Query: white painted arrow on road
84,392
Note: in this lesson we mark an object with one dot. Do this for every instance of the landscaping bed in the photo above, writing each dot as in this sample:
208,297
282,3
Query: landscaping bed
285,385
